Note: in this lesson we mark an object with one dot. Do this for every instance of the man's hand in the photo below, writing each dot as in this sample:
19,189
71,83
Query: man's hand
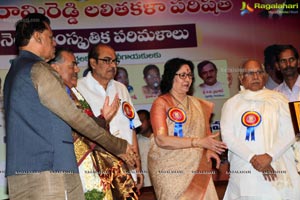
269,173
109,111
261,162
130,157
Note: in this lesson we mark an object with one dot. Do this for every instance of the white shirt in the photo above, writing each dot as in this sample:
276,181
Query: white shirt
292,95
212,91
271,84
95,95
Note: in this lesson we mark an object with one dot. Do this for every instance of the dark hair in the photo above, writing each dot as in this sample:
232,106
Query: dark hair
58,55
148,68
270,53
28,25
145,112
94,53
282,48
121,69
86,71
170,69
203,63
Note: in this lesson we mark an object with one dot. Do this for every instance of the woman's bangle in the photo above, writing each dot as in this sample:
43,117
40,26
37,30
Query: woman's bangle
195,143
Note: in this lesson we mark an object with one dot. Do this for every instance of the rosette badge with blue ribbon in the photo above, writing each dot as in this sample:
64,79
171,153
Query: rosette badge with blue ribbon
128,111
178,116
251,120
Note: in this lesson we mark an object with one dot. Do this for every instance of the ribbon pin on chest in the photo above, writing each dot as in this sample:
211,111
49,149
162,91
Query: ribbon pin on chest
251,120
128,111
178,116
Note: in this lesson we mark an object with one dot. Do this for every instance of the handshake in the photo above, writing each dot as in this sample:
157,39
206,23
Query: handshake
132,160
131,157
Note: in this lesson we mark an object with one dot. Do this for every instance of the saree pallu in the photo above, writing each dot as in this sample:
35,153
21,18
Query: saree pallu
183,173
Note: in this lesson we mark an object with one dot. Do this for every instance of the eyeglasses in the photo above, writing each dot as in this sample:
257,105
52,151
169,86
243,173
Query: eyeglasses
184,75
109,61
251,73
74,63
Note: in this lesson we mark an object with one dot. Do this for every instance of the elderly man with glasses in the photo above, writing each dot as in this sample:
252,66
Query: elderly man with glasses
99,83
257,128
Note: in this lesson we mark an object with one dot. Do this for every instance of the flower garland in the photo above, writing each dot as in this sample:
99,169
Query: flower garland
93,195
83,103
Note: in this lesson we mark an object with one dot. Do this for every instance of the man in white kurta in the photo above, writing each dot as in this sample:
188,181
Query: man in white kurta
100,83
257,128
95,95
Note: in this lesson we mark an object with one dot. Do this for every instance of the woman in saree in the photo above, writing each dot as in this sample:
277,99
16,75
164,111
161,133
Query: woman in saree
180,155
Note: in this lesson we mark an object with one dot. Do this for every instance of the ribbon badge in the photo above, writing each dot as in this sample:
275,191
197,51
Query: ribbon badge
128,111
251,119
178,116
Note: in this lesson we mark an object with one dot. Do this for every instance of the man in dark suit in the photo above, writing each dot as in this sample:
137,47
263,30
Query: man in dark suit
39,115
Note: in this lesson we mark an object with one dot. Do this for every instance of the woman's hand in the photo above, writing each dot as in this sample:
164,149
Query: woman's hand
212,155
211,143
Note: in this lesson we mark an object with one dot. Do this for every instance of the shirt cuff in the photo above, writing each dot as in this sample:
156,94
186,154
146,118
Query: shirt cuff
250,156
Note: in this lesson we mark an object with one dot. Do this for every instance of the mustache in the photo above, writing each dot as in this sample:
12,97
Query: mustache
114,70
289,68
75,75
256,82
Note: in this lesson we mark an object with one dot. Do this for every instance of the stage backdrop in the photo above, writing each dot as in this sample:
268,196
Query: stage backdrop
152,31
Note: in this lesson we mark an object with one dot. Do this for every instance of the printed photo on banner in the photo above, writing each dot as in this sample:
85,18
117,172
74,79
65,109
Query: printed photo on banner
142,81
211,79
